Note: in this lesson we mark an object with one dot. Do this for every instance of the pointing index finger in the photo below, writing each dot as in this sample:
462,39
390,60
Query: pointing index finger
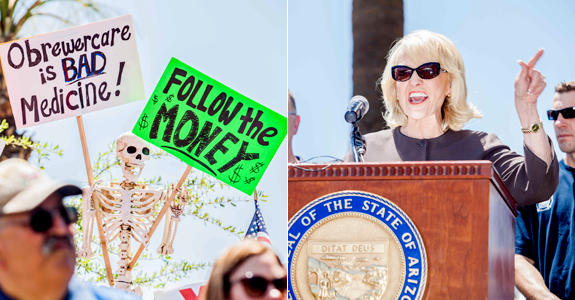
535,58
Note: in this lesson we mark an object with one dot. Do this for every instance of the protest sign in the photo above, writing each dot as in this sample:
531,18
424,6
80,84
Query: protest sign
211,127
2,145
71,72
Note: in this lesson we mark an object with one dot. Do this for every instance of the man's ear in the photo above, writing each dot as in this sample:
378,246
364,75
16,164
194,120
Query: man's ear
296,124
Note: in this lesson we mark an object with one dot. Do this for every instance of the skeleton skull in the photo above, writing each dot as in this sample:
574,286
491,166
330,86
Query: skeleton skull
133,152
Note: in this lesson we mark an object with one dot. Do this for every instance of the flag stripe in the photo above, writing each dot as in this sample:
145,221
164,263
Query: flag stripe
257,229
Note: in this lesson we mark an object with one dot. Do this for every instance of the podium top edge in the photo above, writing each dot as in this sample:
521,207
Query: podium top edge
471,169
427,162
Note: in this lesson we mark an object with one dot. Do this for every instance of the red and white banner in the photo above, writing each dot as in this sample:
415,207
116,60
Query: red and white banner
187,292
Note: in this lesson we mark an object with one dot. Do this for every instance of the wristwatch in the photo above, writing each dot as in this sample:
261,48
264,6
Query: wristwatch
535,127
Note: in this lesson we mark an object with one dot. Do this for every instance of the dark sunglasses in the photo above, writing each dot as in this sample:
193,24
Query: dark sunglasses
568,113
426,71
42,220
258,286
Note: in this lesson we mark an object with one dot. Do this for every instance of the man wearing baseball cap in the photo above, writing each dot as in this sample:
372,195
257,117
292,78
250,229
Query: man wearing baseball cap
37,253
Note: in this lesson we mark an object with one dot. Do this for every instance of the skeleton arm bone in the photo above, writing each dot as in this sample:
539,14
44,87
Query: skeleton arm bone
176,211
88,223
166,236
176,221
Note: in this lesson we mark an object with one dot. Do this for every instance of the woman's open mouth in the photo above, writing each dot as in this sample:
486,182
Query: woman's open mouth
417,97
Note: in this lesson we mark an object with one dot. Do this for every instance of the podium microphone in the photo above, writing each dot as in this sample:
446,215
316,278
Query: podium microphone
357,108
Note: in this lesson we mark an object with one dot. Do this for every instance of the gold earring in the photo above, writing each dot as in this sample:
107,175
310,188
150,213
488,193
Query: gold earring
448,95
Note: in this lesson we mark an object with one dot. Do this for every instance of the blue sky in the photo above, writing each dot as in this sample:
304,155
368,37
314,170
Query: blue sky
491,36
242,44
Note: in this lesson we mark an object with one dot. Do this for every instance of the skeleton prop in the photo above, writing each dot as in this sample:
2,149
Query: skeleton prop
128,209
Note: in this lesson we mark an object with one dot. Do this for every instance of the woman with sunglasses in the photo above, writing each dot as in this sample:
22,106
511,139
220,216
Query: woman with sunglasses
425,96
249,270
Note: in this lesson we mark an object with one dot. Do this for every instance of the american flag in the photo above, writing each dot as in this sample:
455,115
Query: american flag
258,229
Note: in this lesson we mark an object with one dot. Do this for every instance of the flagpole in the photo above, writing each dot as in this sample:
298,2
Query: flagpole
96,201
254,217
160,216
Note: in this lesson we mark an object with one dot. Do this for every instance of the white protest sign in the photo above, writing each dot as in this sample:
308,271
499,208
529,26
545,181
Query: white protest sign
2,144
72,72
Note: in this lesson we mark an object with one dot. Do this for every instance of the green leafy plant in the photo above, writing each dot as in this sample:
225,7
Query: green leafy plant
40,151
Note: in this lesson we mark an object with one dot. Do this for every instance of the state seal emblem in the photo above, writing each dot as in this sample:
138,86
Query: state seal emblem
355,245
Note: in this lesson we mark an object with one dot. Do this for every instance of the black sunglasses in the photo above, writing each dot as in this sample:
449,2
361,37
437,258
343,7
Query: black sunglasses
426,71
258,286
41,220
568,113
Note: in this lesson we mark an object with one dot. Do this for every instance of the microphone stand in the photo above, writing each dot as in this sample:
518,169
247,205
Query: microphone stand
358,145
358,106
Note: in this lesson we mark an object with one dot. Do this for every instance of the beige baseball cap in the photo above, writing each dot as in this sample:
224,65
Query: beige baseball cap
24,186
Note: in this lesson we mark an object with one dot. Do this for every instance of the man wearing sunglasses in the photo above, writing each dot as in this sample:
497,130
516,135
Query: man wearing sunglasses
37,253
545,232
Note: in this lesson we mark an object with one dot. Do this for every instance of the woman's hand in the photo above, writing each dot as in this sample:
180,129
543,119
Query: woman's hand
529,83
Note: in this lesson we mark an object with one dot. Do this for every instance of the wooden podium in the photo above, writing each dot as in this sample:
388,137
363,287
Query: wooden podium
462,210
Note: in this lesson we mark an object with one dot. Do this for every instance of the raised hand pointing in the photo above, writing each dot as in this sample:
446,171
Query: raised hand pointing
529,83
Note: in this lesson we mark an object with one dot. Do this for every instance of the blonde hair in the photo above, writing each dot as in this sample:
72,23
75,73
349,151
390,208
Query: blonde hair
219,284
424,46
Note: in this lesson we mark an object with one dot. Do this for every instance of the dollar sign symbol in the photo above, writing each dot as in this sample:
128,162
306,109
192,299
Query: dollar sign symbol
256,168
155,99
235,178
143,122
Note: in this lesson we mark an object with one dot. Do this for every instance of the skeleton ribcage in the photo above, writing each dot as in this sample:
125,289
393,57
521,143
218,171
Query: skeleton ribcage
134,208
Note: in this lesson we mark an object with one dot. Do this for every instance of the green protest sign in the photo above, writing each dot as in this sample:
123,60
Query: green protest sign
211,127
